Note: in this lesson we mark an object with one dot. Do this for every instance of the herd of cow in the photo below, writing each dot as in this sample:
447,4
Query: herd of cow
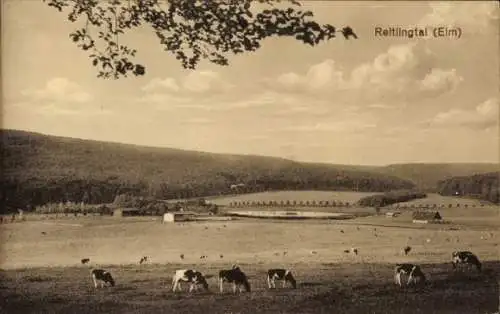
239,279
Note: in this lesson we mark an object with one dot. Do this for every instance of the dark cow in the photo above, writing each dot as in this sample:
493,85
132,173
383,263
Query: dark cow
280,274
85,260
407,249
236,277
465,257
414,273
193,277
103,277
144,259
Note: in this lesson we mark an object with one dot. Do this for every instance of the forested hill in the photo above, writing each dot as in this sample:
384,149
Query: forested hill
39,168
483,186
426,176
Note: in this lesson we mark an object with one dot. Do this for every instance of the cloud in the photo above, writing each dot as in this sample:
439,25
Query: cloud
318,77
199,121
57,110
403,70
159,84
60,97
381,106
483,116
196,82
59,89
204,81
440,81
472,17
345,126
397,70
289,79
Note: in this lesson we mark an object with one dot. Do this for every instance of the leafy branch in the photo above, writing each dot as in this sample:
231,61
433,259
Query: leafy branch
191,30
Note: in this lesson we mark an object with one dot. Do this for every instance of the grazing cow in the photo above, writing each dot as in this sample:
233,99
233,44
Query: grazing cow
407,250
234,276
85,260
280,274
193,277
465,257
102,276
414,272
144,259
352,250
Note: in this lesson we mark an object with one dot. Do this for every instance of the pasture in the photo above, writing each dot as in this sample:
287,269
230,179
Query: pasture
42,271
347,196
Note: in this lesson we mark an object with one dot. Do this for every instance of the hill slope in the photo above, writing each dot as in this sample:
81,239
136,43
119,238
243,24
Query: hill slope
427,176
39,168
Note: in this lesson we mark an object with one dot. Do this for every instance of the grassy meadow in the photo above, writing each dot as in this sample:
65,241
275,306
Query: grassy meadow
343,196
42,272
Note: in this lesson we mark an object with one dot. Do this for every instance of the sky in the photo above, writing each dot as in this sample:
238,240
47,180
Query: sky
370,101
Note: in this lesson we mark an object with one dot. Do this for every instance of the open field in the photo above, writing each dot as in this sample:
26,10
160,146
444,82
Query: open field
322,288
330,281
298,196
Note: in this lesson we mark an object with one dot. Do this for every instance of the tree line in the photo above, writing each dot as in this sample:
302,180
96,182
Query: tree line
389,198
481,186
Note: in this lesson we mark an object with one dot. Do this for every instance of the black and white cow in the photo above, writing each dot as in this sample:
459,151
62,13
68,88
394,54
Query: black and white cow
143,259
414,273
280,274
85,260
465,257
236,277
193,277
102,276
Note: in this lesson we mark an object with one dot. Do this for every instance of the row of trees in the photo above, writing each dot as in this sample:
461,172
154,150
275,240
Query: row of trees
389,198
482,186
291,203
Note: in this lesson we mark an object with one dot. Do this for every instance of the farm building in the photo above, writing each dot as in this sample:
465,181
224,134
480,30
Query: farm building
392,214
425,217
178,216
126,212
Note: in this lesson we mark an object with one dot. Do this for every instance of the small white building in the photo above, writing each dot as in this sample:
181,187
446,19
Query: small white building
178,216
392,214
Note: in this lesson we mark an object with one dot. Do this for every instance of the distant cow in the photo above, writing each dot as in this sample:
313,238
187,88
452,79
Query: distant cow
407,249
193,277
352,250
414,273
85,260
144,259
465,257
234,276
280,274
103,277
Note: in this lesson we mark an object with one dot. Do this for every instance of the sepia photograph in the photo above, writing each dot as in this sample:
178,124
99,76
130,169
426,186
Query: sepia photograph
250,156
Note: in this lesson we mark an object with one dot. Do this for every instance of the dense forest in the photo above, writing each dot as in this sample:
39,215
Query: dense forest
482,186
39,169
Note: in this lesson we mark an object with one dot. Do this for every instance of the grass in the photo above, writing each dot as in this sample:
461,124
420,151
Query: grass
343,196
42,273
323,288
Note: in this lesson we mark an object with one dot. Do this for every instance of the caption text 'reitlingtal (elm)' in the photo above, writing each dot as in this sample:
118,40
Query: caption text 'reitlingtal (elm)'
419,32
